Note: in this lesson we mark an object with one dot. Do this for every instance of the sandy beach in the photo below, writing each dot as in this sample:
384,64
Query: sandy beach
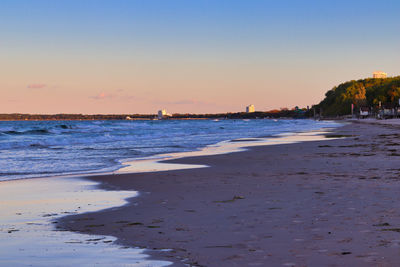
322,203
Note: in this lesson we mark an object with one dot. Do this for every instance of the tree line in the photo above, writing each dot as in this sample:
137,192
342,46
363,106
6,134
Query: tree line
373,93
282,113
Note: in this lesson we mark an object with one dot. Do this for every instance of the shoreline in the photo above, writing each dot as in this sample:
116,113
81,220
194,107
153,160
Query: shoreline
125,164
107,184
168,161
333,204
53,182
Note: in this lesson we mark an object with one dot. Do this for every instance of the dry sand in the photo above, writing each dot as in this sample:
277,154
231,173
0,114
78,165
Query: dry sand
325,203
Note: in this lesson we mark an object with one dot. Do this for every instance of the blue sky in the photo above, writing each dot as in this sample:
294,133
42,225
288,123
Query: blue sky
213,55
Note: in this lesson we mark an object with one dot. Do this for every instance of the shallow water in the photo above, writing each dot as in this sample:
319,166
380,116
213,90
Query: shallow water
27,237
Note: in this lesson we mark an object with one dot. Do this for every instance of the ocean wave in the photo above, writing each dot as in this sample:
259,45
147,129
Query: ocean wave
25,173
63,126
28,132
38,148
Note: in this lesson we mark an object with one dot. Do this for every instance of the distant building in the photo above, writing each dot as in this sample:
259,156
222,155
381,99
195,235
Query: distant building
379,75
162,114
250,109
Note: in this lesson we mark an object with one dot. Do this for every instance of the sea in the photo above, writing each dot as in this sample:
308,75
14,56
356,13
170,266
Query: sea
30,149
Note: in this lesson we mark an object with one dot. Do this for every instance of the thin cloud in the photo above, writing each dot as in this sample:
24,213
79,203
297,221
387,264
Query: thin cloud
36,86
102,95
186,102
116,95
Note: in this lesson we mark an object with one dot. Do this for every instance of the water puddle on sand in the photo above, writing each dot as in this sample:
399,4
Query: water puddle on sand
27,232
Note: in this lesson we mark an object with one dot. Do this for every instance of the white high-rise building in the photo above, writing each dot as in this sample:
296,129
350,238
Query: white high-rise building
161,114
250,109
379,75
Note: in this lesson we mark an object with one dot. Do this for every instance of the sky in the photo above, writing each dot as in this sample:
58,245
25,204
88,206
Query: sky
188,56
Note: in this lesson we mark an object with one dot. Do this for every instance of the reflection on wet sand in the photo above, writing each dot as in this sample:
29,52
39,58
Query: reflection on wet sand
27,237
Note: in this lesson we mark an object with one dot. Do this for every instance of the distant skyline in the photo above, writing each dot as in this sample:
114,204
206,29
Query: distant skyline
205,56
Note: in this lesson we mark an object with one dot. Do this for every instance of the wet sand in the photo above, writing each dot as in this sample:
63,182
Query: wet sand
322,203
29,208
